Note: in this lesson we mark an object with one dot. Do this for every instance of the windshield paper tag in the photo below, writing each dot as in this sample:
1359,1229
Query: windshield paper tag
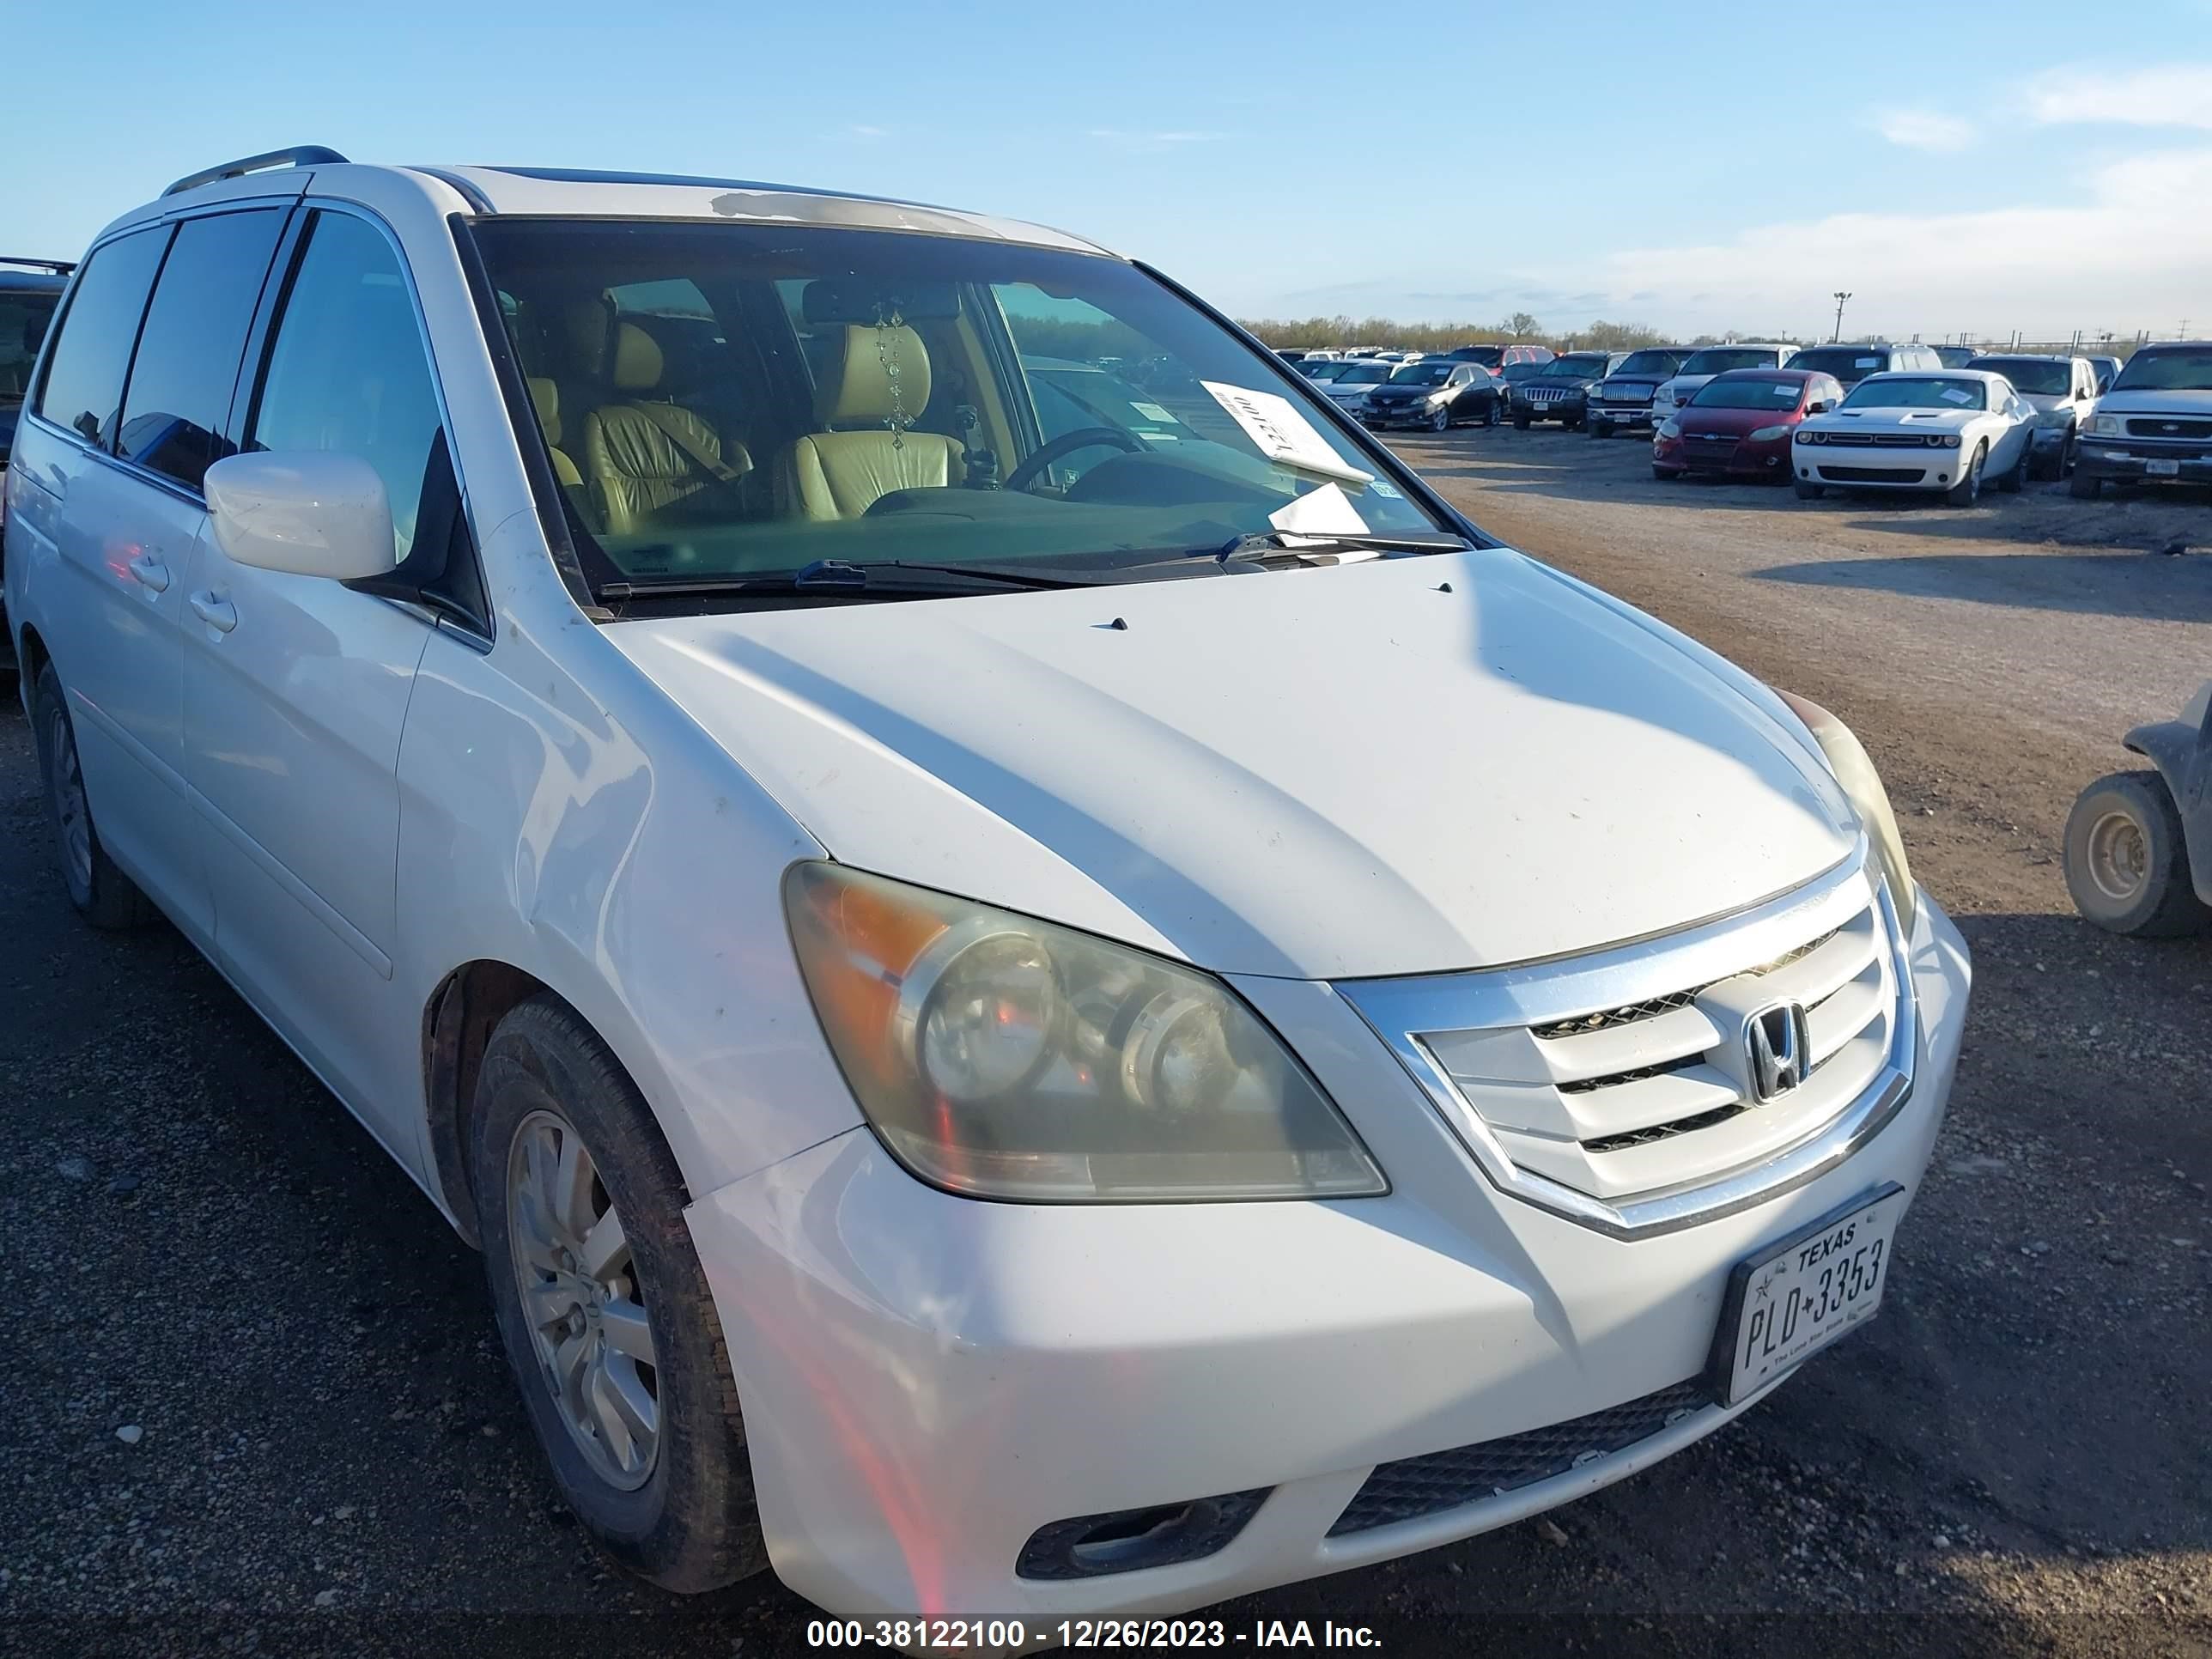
1322,513
1284,436
1870,362
1154,412
1952,394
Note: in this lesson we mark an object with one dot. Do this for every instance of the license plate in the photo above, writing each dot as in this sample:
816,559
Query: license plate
2161,468
1795,1297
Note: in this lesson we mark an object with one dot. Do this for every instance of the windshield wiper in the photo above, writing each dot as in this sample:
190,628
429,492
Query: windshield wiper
1270,546
839,576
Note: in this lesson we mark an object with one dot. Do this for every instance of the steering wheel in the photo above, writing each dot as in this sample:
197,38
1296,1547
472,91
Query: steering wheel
1084,437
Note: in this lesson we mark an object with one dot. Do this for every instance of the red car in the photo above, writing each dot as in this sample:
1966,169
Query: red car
1739,424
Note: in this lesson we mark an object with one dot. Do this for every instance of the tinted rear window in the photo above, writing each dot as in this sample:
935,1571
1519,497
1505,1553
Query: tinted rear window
2035,375
195,334
1650,362
23,319
84,376
1849,364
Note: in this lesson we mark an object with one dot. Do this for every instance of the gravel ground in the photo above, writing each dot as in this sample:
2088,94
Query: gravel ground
256,1405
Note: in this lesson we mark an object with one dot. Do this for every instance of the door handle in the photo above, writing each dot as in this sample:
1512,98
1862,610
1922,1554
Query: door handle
215,611
151,572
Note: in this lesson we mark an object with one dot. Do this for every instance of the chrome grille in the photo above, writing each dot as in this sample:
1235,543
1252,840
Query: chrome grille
1620,1109
2159,426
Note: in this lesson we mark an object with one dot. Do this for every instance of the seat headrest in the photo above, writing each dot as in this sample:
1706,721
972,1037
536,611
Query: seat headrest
861,392
637,359
545,398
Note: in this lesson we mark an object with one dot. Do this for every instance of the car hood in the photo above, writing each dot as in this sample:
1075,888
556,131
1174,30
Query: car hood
2195,405
1396,766
1895,420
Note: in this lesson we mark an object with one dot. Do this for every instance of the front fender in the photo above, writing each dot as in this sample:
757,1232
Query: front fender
2183,754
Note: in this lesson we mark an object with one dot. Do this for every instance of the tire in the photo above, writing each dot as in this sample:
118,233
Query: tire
683,1517
1490,413
1968,490
2127,862
1570,422
1441,420
1520,423
1665,473
2083,488
1809,492
1600,428
2016,480
102,894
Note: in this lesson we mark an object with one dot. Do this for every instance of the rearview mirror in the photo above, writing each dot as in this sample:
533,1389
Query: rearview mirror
307,511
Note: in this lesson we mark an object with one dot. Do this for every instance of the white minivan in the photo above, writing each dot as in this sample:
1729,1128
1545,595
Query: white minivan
1035,1017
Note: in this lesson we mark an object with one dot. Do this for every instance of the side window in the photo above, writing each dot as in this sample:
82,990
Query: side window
84,374
346,370
186,366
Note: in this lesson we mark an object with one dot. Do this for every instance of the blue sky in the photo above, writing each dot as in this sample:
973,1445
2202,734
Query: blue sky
2044,168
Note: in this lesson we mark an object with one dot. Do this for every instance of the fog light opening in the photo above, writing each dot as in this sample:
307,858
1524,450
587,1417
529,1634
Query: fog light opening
1124,1540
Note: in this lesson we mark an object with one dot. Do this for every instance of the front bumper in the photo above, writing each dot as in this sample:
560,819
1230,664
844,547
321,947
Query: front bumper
1405,415
1625,416
1735,458
1570,408
928,1380
1842,466
2127,459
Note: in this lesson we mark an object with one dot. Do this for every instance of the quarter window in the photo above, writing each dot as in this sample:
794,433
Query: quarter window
173,413
346,371
84,375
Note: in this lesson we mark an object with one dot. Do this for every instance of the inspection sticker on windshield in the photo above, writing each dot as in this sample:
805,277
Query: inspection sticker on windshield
1284,436
1153,412
1953,395
1795,1297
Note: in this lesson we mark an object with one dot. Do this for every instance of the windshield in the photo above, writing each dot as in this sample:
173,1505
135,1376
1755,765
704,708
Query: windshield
723,400
1781,395
23,319
1918,392
1487,355
2166,371
1366,369
1573,368
2037,374
1423,374
1721,358
1650,362
1849,364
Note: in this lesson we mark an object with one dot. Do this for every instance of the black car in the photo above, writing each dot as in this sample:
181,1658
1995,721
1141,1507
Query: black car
1560,390
1435,392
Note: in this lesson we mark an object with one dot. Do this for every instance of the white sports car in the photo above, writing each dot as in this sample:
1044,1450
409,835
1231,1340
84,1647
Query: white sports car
1944,432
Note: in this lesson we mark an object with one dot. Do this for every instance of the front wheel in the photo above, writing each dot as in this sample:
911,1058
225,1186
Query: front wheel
602,1308
2083,488
1440,421
1520,423
1968,490
1490,413
2016,480
2127,862
1600,428
1809,492
102,894
1665,472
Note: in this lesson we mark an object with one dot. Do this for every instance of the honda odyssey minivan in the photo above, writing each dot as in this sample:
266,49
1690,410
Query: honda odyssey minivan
1035,1016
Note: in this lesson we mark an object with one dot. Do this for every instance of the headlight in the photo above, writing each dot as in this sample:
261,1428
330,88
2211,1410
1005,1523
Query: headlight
1002,1057
1805,437
1847,760
1767,434
1665,394
2055,417
2104,426
1668,428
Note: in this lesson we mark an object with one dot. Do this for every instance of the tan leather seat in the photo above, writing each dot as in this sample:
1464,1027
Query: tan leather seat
834,474
646,458
545,396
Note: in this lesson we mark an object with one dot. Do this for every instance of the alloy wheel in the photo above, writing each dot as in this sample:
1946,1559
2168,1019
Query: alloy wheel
580,1295
72,816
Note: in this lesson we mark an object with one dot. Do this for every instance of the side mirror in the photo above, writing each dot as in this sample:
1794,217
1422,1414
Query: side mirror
307,511
1818,406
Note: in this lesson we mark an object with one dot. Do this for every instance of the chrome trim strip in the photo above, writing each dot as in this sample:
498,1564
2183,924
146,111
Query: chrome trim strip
1400,1010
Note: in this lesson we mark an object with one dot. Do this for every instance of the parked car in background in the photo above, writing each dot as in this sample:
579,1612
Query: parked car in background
997,1115
2108,369
29,291
1701,365
1853,363
2154,424
1513,373
1559,390
1957,356
1739,424
1944,431
1497,358
1355,378
1435,392
2061,390
1622,401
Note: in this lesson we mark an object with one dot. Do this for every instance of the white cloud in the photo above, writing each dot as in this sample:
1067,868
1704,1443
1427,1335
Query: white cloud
1923,129
2175,95
863,131
1125,139
2132,255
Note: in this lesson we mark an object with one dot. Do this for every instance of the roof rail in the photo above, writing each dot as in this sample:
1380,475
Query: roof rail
59,267
298,156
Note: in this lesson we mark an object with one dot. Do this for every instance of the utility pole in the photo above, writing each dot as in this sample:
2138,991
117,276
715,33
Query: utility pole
1840,297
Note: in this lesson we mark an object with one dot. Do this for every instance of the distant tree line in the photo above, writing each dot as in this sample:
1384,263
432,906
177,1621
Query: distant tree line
1520,328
